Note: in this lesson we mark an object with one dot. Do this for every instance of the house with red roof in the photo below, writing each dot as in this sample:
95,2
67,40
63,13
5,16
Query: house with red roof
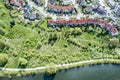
60,9
18,3
114,31
78,22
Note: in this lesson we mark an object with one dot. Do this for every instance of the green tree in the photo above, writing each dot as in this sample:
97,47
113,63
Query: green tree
3,46
52,38
78,31
75,31
3,59
51,69
114,42
23,62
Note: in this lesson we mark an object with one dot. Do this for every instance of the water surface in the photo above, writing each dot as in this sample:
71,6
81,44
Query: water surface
97,72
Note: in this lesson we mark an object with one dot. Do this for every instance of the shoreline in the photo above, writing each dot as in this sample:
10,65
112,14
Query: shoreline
13,72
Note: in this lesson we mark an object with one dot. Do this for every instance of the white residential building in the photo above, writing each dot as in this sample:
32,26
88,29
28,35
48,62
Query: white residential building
66,2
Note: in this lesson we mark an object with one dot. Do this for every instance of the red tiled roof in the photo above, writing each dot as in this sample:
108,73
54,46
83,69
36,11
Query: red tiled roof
83,21
12,1
60,7
114,30
17,3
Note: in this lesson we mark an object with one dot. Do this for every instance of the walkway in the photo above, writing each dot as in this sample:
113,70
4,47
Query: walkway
60,65
42,68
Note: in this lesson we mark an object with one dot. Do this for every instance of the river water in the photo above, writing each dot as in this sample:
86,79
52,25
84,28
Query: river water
96,72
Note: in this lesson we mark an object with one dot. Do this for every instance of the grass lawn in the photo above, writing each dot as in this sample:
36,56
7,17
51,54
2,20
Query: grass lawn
44,23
